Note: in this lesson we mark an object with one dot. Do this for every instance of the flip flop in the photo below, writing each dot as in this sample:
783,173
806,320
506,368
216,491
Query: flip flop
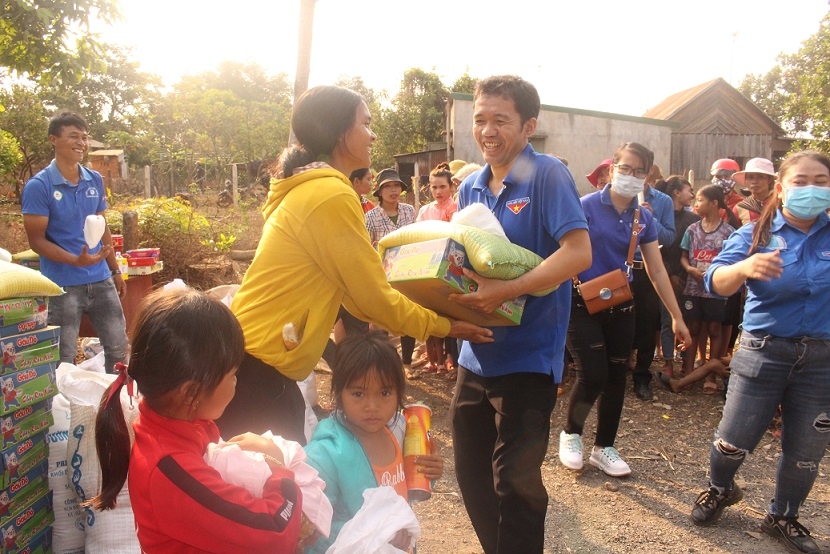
710,388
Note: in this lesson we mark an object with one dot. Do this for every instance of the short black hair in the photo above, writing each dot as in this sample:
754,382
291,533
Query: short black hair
66,119
524,95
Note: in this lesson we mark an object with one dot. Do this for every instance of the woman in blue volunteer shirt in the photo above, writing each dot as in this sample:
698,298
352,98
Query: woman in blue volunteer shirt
600,343
784,259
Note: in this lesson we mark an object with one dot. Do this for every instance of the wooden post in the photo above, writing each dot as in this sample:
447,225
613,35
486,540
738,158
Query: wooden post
130,229
147,182
303,53
234,175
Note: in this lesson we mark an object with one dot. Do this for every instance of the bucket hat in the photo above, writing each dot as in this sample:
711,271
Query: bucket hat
592,177
387,176
755,165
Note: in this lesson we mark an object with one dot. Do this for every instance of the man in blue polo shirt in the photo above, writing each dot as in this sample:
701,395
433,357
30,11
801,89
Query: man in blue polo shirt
647,314
56,203
506,390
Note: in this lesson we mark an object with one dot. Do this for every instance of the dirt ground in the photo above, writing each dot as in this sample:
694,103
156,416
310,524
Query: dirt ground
666,442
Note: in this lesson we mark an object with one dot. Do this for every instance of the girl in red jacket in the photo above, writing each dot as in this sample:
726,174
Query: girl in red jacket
186,348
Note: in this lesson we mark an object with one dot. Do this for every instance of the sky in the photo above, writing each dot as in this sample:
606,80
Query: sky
612,56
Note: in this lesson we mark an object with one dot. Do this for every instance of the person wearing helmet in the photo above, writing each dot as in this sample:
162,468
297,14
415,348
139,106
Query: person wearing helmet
722,172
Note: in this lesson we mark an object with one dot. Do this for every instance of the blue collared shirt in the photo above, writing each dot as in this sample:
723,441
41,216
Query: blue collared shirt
67,205
610,232
537,207
795,304
663,212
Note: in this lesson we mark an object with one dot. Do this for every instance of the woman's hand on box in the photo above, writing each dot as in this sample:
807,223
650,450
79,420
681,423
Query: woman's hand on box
469,331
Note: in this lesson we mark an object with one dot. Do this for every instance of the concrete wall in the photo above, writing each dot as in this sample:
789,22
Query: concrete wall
583,137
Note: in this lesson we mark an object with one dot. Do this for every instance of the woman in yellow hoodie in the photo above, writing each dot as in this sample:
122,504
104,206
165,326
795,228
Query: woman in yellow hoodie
315,255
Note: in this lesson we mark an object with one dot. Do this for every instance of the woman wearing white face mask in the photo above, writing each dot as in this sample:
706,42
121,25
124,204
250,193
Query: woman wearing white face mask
784,260
602,372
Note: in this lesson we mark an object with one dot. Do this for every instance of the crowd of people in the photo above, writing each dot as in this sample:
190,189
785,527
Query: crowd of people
752,249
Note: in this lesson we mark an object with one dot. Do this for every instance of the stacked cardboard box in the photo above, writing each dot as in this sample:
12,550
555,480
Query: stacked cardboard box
27,378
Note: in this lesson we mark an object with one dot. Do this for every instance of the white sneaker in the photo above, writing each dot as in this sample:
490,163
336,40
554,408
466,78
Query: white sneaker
608,460
570,450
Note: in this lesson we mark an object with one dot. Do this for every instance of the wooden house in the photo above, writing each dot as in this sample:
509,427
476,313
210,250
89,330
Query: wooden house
716,121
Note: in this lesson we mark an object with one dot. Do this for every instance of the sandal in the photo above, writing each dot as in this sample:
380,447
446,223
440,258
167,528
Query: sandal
710,387
665,380
430,368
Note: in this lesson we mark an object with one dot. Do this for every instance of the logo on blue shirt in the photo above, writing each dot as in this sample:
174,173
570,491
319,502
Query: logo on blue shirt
777,242
517,205
92,193
57,195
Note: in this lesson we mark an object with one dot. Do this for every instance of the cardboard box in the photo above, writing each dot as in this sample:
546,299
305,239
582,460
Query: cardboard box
41,543
145,269
16,344
19,459
14,499
26,387
427,272
24,351
38,422
24,528
23,315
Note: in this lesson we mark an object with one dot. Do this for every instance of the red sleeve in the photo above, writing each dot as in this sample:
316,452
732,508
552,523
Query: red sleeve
194,505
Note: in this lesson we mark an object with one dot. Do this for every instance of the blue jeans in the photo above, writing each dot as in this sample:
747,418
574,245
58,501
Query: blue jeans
768,371
100,302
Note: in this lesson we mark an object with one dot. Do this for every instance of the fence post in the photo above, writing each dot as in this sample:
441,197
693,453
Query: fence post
130,229
147,183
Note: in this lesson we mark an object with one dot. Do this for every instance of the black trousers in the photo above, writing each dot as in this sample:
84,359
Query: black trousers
265,400
600,345
646,324
500,431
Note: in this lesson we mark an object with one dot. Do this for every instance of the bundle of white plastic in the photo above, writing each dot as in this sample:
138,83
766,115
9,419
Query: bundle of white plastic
475,227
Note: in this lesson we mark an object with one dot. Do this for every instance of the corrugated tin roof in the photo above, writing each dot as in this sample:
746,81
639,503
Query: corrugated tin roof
106,153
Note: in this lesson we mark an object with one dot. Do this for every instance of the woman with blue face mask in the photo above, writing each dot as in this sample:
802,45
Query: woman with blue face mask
784,354
600,343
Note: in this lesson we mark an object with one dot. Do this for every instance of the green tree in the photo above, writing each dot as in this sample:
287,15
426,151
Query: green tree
464,84
50,39
113,97
796,93
25,119
415,119
10,154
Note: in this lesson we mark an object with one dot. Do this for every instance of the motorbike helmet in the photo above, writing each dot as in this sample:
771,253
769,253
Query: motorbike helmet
724,165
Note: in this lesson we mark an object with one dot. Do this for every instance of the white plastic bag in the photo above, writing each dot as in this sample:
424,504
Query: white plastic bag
383,514
477,215
308,388
110,531
68,530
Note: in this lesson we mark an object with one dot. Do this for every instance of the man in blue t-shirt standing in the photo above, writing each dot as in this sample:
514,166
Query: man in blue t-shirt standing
56,203
506,390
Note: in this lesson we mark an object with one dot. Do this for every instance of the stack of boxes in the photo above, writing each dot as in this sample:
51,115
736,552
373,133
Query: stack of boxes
30,355
144,261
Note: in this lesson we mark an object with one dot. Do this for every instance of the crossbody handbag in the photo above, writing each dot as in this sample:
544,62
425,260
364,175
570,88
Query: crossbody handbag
612,288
